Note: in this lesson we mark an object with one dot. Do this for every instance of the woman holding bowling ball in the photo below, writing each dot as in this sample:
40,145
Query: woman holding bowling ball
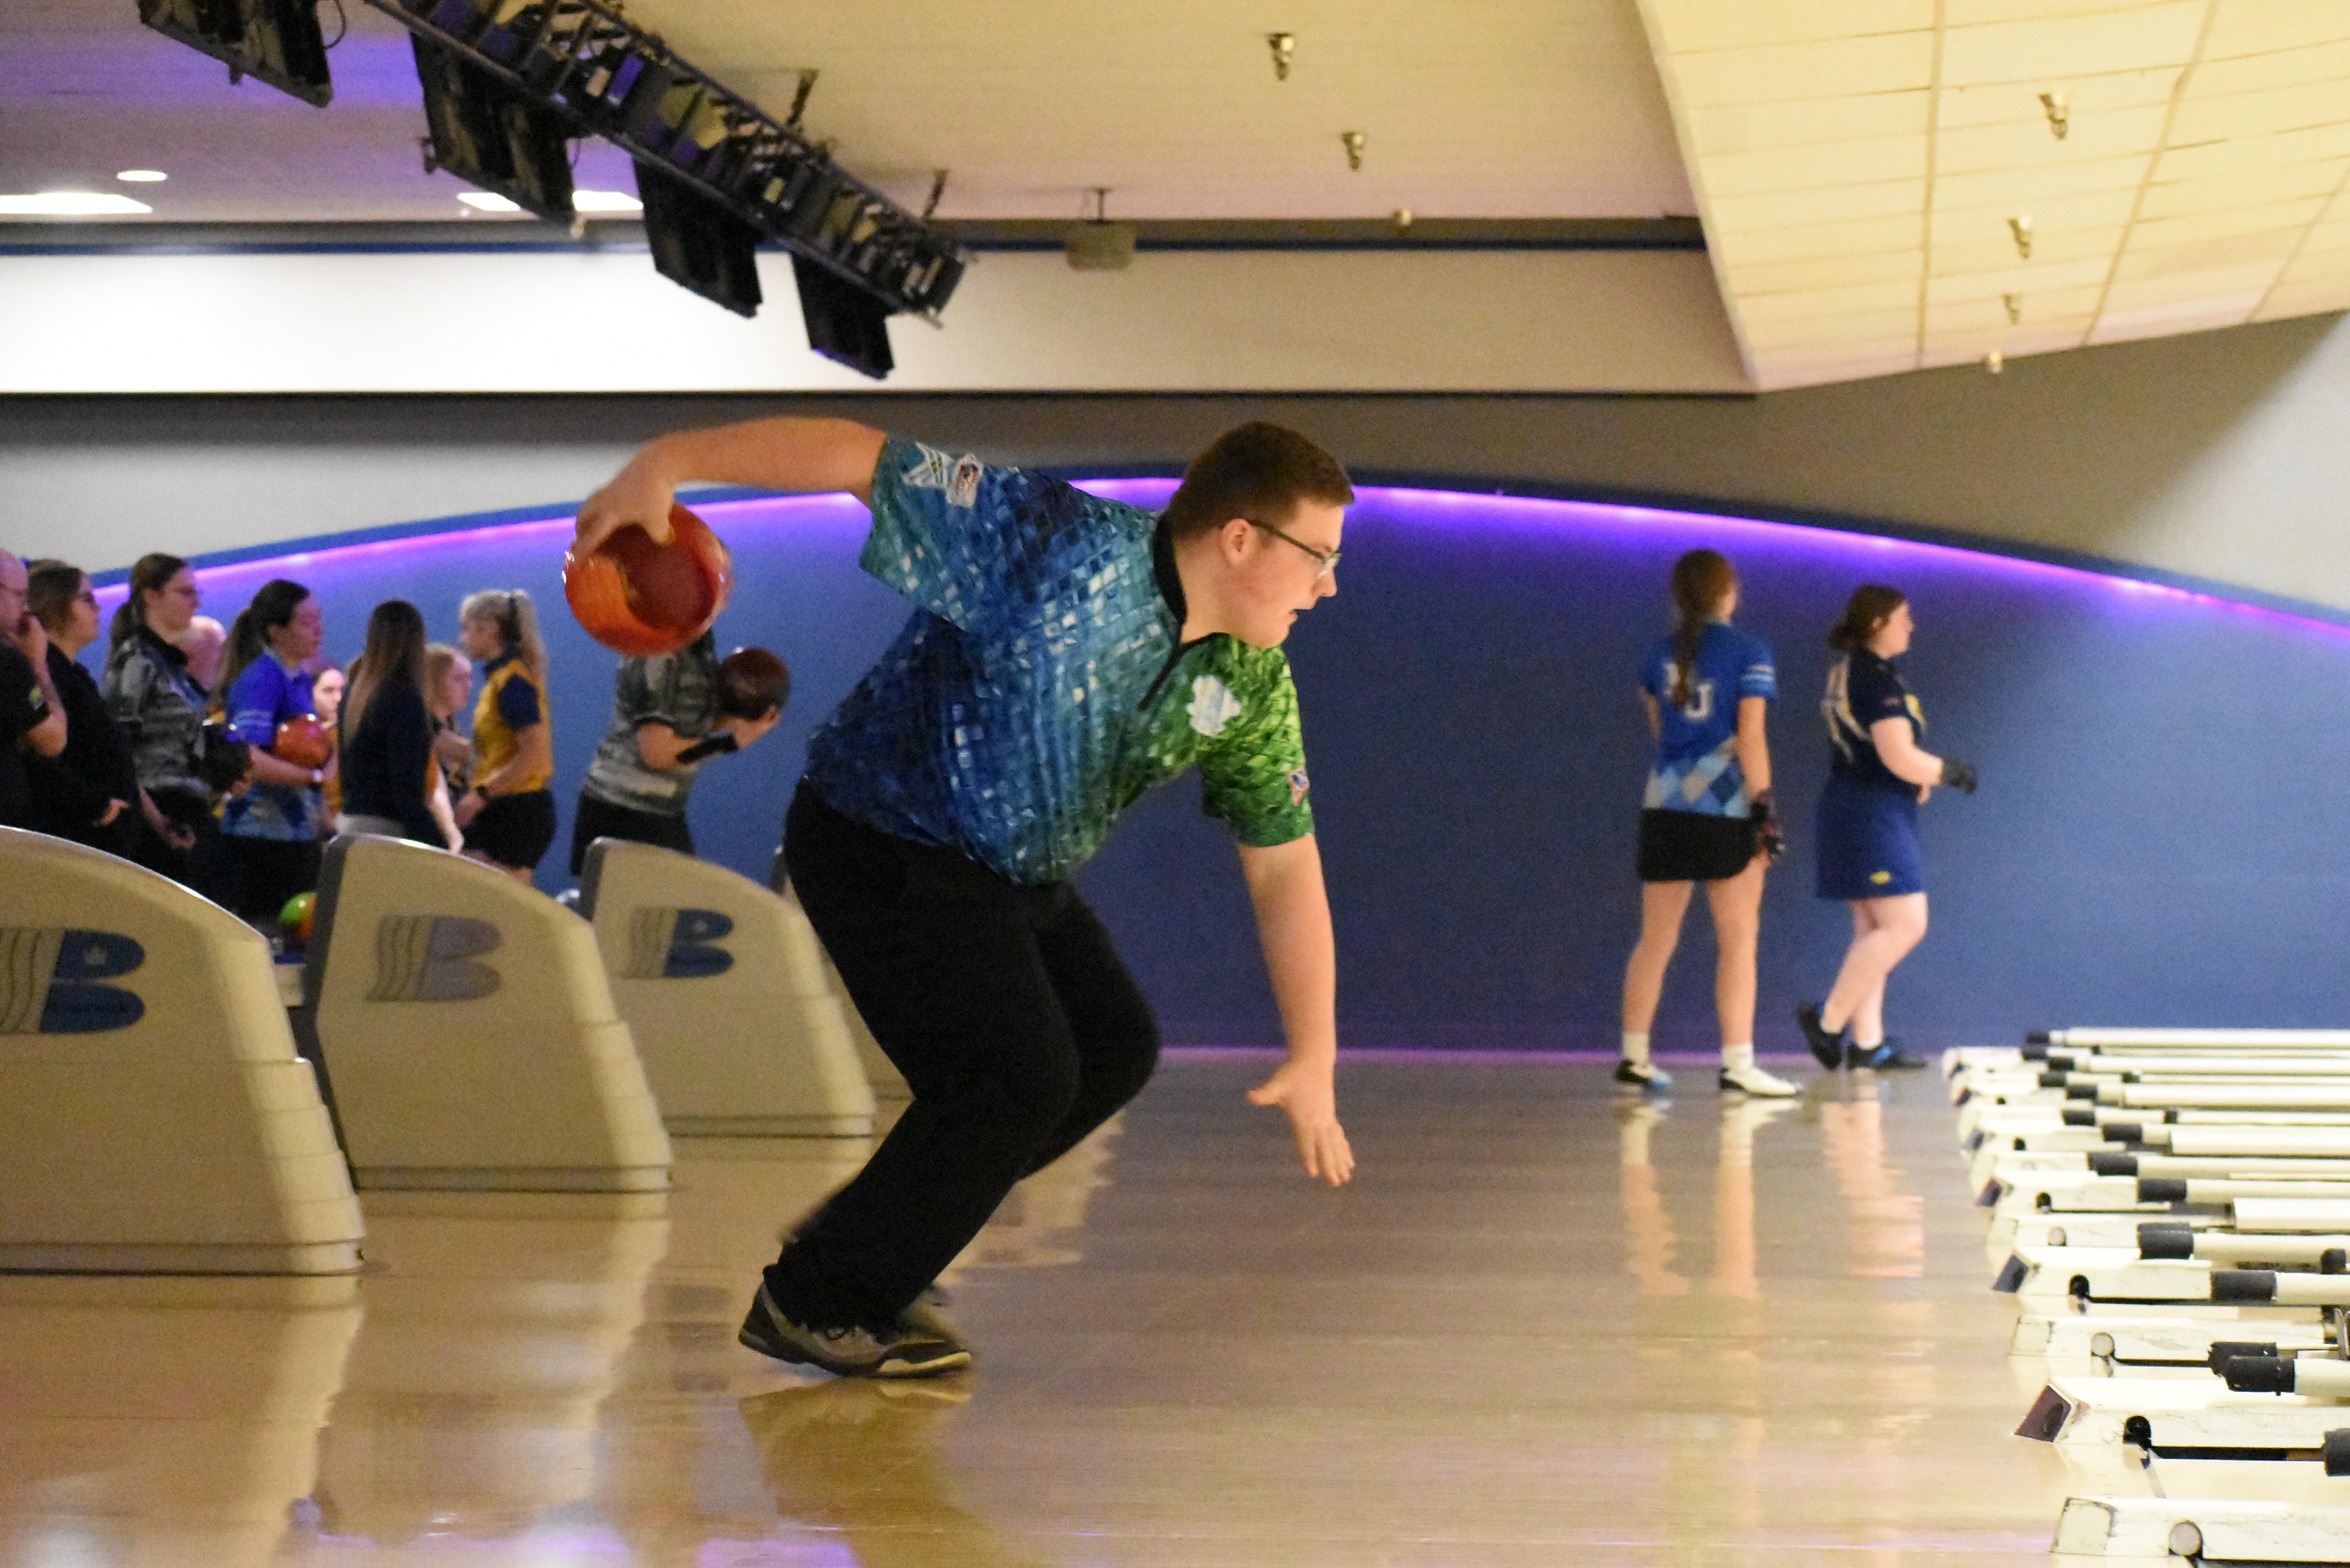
508,813
1868,826
669,713
270,831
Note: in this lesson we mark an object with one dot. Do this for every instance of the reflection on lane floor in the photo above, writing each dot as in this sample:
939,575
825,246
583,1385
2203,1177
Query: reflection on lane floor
1541,1328
162,1421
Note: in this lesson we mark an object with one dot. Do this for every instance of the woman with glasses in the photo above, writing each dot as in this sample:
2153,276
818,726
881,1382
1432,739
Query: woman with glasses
1706,817
1868,826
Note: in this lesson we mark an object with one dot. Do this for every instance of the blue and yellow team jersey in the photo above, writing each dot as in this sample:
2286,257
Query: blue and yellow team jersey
1039,688
1696,765
1863,689
509,701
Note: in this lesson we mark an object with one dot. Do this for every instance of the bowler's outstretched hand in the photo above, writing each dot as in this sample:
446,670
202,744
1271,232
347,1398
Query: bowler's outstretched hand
1310,1101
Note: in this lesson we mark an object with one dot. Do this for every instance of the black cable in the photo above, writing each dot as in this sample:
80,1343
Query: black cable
343,17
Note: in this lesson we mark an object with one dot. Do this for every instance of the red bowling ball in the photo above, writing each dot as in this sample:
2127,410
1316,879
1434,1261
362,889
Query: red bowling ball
303,742
640,596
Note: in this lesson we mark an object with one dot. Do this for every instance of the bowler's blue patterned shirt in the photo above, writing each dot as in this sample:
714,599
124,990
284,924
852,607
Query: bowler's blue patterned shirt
1039,690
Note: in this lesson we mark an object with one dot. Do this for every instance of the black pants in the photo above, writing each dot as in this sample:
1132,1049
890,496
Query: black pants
1015,1024
597,818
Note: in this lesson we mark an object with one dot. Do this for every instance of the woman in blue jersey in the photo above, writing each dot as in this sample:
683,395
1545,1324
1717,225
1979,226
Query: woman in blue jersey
1868,826
1706,817
270,832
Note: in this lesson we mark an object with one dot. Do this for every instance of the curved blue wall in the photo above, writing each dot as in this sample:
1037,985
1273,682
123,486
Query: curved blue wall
2162,836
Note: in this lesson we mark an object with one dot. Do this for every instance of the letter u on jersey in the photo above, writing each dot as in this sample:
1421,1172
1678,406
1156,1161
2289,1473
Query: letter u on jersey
50,980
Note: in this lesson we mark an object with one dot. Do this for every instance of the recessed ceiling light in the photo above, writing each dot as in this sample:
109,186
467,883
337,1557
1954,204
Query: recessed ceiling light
605,201
142,176
487,201
70,204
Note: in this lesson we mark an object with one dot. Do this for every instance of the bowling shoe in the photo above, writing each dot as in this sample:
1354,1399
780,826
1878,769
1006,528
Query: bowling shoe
896,1349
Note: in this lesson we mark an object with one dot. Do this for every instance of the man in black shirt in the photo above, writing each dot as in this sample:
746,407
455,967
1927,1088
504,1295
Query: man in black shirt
31,718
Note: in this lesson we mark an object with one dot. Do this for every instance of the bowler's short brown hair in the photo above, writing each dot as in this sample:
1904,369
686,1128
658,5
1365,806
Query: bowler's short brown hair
1258,471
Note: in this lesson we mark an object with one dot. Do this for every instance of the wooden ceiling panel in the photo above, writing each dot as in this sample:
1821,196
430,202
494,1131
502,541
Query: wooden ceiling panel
2136,38
1788,73
1692,26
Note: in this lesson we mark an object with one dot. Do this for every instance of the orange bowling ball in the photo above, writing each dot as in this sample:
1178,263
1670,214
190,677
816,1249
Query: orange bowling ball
642,597
303,742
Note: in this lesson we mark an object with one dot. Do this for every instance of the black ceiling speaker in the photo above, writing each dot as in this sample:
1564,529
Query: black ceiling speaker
488,134
697,243
273,41
845,323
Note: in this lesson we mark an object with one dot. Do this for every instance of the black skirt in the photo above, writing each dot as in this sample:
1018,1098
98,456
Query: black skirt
513,830
1691,846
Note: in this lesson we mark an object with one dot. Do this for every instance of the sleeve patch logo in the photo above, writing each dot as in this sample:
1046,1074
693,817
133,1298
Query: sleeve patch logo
1299,787
958,476
1212,706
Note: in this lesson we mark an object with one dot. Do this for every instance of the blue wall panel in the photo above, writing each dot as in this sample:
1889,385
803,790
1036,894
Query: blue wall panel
2162,835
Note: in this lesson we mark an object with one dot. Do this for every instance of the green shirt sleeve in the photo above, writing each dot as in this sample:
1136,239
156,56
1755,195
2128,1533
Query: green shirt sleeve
1254,774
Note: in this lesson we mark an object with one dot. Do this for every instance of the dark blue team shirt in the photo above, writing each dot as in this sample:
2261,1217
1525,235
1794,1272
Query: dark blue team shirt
1697,743
1862,689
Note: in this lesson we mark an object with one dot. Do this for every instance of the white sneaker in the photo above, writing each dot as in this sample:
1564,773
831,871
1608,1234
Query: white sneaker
1754,1081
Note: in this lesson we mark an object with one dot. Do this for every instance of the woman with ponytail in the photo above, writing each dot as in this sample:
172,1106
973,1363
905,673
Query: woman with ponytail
159,705
270,832
508,816
1868,826
1706,818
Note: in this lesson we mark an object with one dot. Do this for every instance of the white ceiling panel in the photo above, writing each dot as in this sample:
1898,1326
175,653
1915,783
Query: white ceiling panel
2173,161
1831,68
2246,27
2032,280
2021,139
2285,68
2165,320
2304,297
2295,184
2004,102
2036,185
2134,38
2254,111
1691,26
1876,159
1823,203
1854,268
1804,241
1724,129
1899,295
2232,156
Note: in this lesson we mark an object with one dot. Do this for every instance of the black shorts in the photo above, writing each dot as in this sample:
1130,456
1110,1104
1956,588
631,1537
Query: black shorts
596,818
1689,846
513,830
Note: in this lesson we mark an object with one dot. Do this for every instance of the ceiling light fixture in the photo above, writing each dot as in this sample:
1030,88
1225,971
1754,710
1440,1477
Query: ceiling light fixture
2015,307
606,202
1353,141
1284,47
2060,113
1995,362
142,176
70,204
1098,245
2021,227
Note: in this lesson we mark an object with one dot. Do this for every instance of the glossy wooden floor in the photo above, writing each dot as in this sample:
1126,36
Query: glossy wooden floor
1543,1328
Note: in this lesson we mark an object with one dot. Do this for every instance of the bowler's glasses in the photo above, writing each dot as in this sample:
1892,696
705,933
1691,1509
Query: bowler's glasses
1327,560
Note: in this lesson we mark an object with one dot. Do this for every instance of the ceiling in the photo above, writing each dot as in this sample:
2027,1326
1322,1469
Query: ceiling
1487,109
1859,163
1856,163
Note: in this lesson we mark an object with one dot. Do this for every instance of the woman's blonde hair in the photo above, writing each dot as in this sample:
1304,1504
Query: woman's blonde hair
517,621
